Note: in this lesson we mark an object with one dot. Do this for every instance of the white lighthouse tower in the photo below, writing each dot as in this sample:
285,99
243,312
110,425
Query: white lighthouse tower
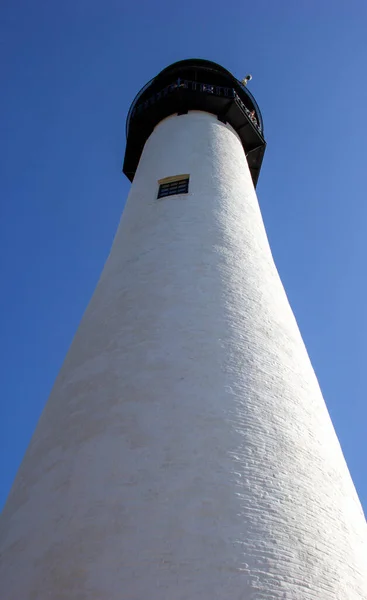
186,452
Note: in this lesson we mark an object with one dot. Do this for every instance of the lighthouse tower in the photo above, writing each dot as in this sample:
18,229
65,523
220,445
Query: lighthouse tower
186,452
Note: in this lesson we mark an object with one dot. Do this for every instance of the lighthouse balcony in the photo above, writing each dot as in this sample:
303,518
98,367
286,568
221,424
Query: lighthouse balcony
180,95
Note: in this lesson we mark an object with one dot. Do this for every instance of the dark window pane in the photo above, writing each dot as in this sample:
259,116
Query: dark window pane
173,188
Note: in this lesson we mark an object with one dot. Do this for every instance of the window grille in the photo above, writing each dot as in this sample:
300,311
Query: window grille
172,188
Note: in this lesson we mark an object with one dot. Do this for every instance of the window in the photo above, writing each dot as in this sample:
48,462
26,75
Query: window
173,186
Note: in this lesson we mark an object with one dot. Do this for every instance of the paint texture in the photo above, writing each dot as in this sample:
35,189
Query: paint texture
186,452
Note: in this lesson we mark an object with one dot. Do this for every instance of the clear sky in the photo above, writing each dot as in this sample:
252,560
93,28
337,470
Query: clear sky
69,71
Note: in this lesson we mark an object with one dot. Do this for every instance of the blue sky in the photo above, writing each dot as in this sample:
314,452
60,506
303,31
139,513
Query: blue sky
69,72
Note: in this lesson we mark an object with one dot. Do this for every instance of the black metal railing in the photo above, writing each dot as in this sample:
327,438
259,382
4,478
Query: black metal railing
250,113
194,86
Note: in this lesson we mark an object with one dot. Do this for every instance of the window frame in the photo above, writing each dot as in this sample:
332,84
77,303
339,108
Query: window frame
173,186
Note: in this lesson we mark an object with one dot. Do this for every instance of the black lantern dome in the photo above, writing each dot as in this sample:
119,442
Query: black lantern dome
195,84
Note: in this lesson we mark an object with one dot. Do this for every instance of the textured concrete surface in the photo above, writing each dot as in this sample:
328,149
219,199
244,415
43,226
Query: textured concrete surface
186,452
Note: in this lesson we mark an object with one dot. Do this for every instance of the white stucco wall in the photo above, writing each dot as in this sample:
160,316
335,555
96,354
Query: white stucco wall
186,452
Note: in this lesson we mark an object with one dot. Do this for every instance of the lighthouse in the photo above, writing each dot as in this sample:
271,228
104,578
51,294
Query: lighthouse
186,452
